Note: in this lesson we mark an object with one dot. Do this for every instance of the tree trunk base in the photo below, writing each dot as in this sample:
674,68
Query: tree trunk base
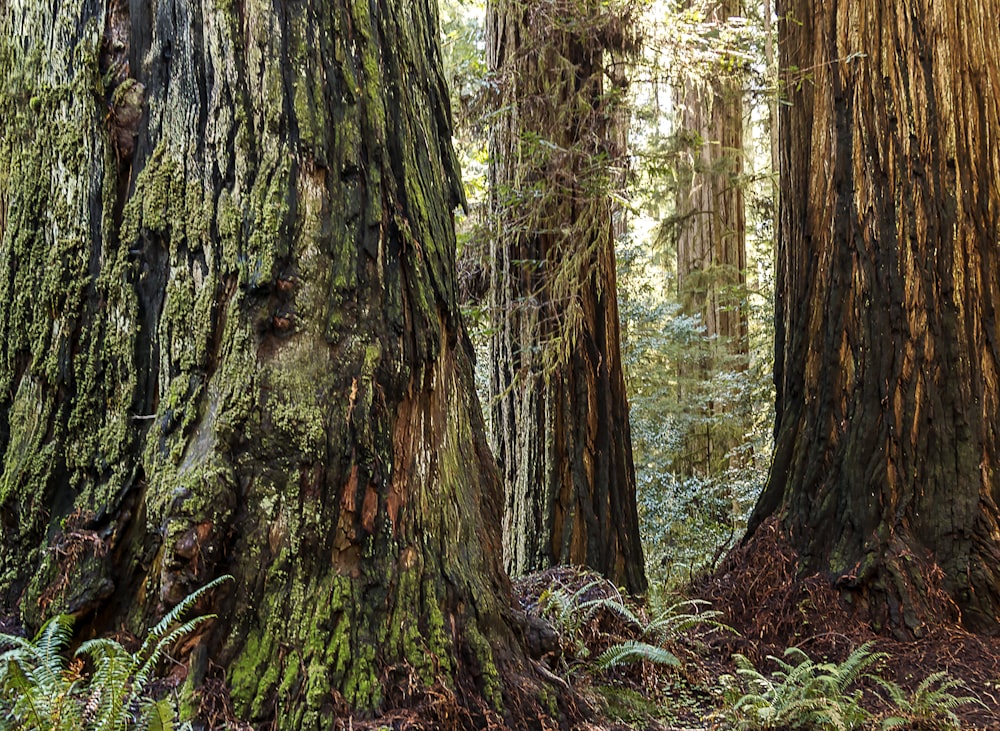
766,594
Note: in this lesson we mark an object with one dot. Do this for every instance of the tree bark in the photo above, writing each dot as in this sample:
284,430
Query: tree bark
229,343
711,241
559,414
886,460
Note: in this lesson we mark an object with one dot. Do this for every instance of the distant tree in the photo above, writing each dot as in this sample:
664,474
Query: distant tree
710,223
559,413
886,471
230,343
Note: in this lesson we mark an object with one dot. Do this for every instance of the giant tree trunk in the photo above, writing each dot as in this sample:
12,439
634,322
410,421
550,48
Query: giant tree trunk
886,461
229,342
560,425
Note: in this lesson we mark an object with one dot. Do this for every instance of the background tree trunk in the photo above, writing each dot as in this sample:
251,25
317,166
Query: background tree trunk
559,413
711,241
229,342
886,460
711,232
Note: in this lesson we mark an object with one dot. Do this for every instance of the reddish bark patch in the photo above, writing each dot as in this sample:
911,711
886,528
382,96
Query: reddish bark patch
369,509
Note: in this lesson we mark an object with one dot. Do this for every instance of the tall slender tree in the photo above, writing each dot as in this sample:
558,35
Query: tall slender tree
229,342
711,239
711,226
559,413
887,464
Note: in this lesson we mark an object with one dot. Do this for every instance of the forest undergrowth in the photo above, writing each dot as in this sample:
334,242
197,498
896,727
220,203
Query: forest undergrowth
755,645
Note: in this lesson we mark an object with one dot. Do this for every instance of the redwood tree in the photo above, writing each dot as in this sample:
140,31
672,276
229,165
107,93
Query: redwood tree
711,236
711,240
229,343
559,414
887,462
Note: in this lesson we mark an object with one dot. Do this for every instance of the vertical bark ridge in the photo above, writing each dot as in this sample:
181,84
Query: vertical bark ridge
559,414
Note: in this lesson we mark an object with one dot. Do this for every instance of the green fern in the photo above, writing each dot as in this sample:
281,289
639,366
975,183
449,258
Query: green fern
38,692
625,653
672,622
614,605
801,693
930,706
667,628
569,613
120,676
34,674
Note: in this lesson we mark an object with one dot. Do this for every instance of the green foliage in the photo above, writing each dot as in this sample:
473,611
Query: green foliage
930,707
39,691
802,693
571,613
693,497
633,651
664,631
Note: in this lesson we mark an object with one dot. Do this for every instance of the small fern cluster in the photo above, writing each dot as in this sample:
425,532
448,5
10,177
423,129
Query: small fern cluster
655,636
571,613
803,693
40,691
800,694
930,707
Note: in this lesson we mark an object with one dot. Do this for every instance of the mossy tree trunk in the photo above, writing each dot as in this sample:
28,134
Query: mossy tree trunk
559,413
886,461
229,342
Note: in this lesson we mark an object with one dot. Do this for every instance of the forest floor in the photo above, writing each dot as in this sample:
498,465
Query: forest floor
717,658
757,606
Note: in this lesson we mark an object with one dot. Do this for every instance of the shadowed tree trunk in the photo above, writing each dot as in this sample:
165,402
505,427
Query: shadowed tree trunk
229,342
559,413
886,462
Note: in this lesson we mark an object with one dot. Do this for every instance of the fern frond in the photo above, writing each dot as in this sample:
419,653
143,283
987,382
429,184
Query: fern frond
159,715
853,668
34,681
673,621
40,658
25,696
157,633
635,651
932,702
112,686
589,608
145,670
892,722
897,696
52,639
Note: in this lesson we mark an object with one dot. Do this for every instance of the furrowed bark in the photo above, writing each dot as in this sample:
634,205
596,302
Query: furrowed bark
559,413
885,466
230,343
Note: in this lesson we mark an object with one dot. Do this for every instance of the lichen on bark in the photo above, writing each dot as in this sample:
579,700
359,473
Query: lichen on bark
247,357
